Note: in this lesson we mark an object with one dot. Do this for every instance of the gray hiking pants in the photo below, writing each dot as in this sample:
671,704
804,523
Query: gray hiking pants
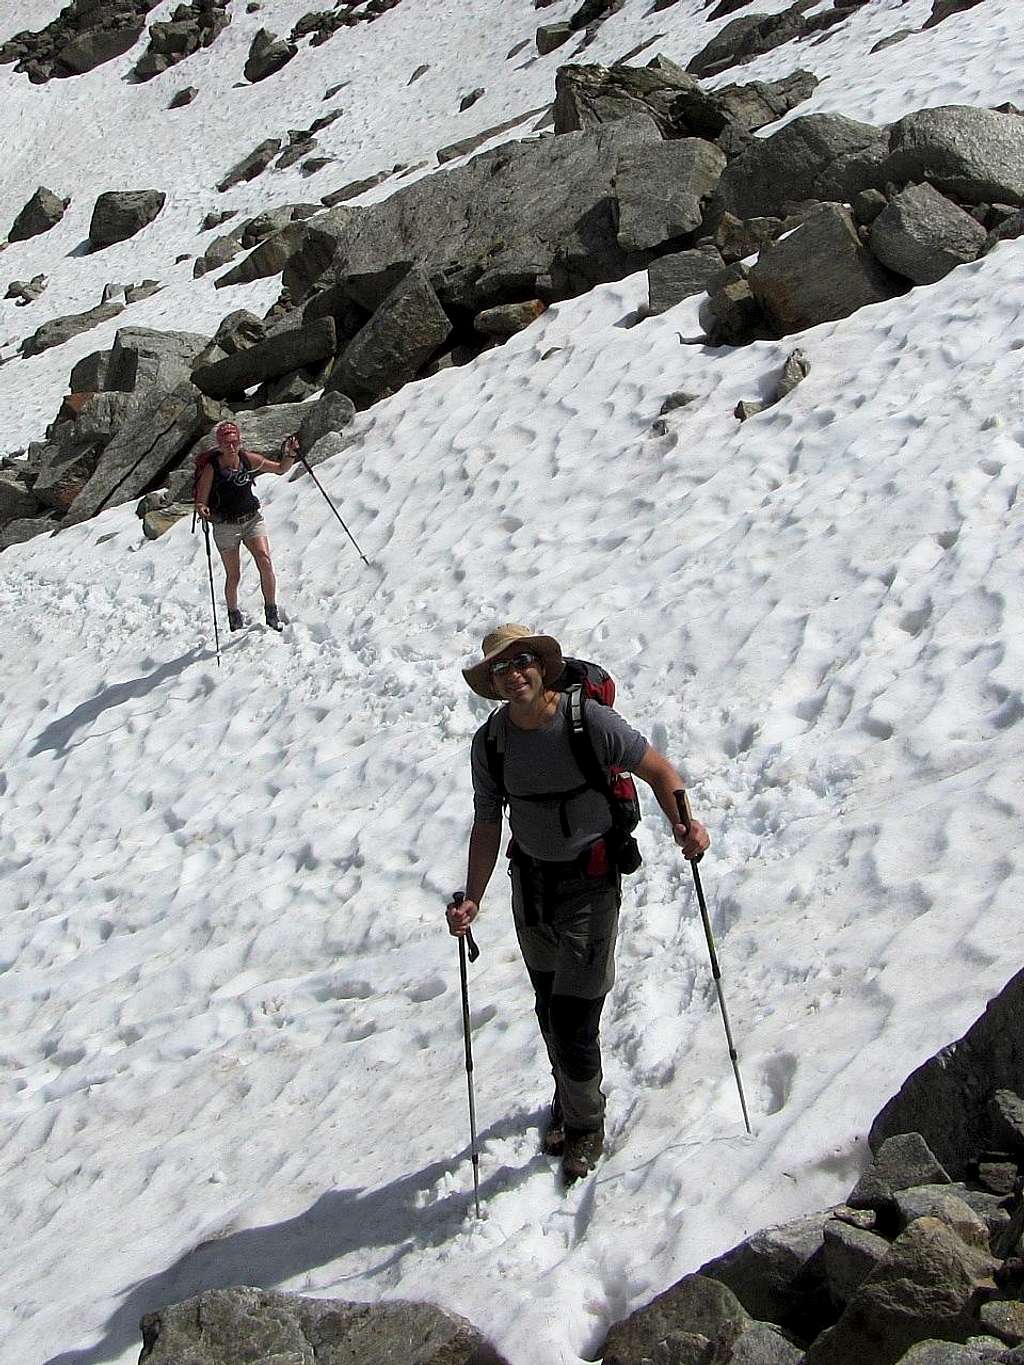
566,922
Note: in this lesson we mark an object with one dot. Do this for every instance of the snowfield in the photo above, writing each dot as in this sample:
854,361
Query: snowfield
229,1009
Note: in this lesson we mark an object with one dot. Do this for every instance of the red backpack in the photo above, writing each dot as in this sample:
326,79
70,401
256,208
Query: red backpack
586,684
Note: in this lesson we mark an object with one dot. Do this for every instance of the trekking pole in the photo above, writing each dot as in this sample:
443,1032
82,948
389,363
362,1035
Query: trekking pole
309,471
686,818
467,940
213,595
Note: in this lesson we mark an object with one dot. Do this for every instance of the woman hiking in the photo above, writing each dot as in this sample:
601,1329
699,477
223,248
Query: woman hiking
225,499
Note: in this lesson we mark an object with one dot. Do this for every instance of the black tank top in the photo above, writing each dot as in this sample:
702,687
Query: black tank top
232,493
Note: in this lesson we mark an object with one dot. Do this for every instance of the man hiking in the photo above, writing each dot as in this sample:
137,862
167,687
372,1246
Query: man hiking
566,859
224,497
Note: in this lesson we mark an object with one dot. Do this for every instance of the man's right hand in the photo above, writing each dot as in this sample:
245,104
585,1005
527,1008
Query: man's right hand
460,916
203,511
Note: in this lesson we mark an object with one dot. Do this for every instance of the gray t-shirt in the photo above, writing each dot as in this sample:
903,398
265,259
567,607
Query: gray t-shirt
541,761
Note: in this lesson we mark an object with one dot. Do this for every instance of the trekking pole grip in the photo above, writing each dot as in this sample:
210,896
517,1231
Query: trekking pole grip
685,815
474,952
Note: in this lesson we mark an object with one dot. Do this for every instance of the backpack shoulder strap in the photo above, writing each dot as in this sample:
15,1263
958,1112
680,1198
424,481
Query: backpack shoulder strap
580,742
494,751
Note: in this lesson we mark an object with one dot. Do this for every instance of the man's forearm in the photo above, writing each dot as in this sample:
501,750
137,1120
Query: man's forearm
484,842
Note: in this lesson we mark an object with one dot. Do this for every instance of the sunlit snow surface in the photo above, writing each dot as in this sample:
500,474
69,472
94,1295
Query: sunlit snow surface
230,1024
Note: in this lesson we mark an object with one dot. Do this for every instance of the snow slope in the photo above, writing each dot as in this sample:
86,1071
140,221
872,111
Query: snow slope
230,1026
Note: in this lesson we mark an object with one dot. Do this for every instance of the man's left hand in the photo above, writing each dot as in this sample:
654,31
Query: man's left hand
693,839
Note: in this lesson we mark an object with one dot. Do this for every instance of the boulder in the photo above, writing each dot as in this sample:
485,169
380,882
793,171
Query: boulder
64,468
942,9
923,1289
1007,231
731,316
818,273
90,374
101,415
747,37
1004,1318
283,1329
16,500
507,319
975,154
26,291
267,54
252,165
588,96
182,97
407,328
120,214
142,358
923,236
663,1329
270,257
940,1201
851,1254
771,1271
277,355
58,330
818,156
678,276
948,1353
550,36
899,1163
26,528
42,212
736,238
1006,1116
947,1099
163,428
661,188
764,1344
332,413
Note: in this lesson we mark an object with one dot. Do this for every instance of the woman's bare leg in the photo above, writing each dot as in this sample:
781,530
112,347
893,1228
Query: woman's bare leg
259,548
232,573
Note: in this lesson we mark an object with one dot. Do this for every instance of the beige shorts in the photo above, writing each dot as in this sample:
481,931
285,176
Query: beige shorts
228,535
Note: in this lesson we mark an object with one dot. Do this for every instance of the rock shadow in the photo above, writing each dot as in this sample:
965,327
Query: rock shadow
339,1223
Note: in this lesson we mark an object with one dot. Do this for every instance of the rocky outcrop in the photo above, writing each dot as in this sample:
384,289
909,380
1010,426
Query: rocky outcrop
160,432
190,28
751,35
84,35
253,1324
915,1269
42,212
120,214
25,292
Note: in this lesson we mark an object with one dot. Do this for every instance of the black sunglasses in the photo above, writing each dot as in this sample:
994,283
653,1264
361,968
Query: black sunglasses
520,662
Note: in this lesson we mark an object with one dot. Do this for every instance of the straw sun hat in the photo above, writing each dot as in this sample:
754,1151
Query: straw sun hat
512,639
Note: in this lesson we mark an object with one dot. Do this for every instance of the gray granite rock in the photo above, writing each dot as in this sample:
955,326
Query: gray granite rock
22,529
403,333
900,1162
922,235
763,1270
851,1254
661,188
267,54
58,330
42,212
252,165
678,276
120,214
818,273
277,355
975,154
242,1324
672,1324
142,358
506,319
943,1203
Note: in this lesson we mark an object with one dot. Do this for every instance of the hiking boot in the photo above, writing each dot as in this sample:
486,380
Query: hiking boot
273,619
553,1138
581,1153
235,621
